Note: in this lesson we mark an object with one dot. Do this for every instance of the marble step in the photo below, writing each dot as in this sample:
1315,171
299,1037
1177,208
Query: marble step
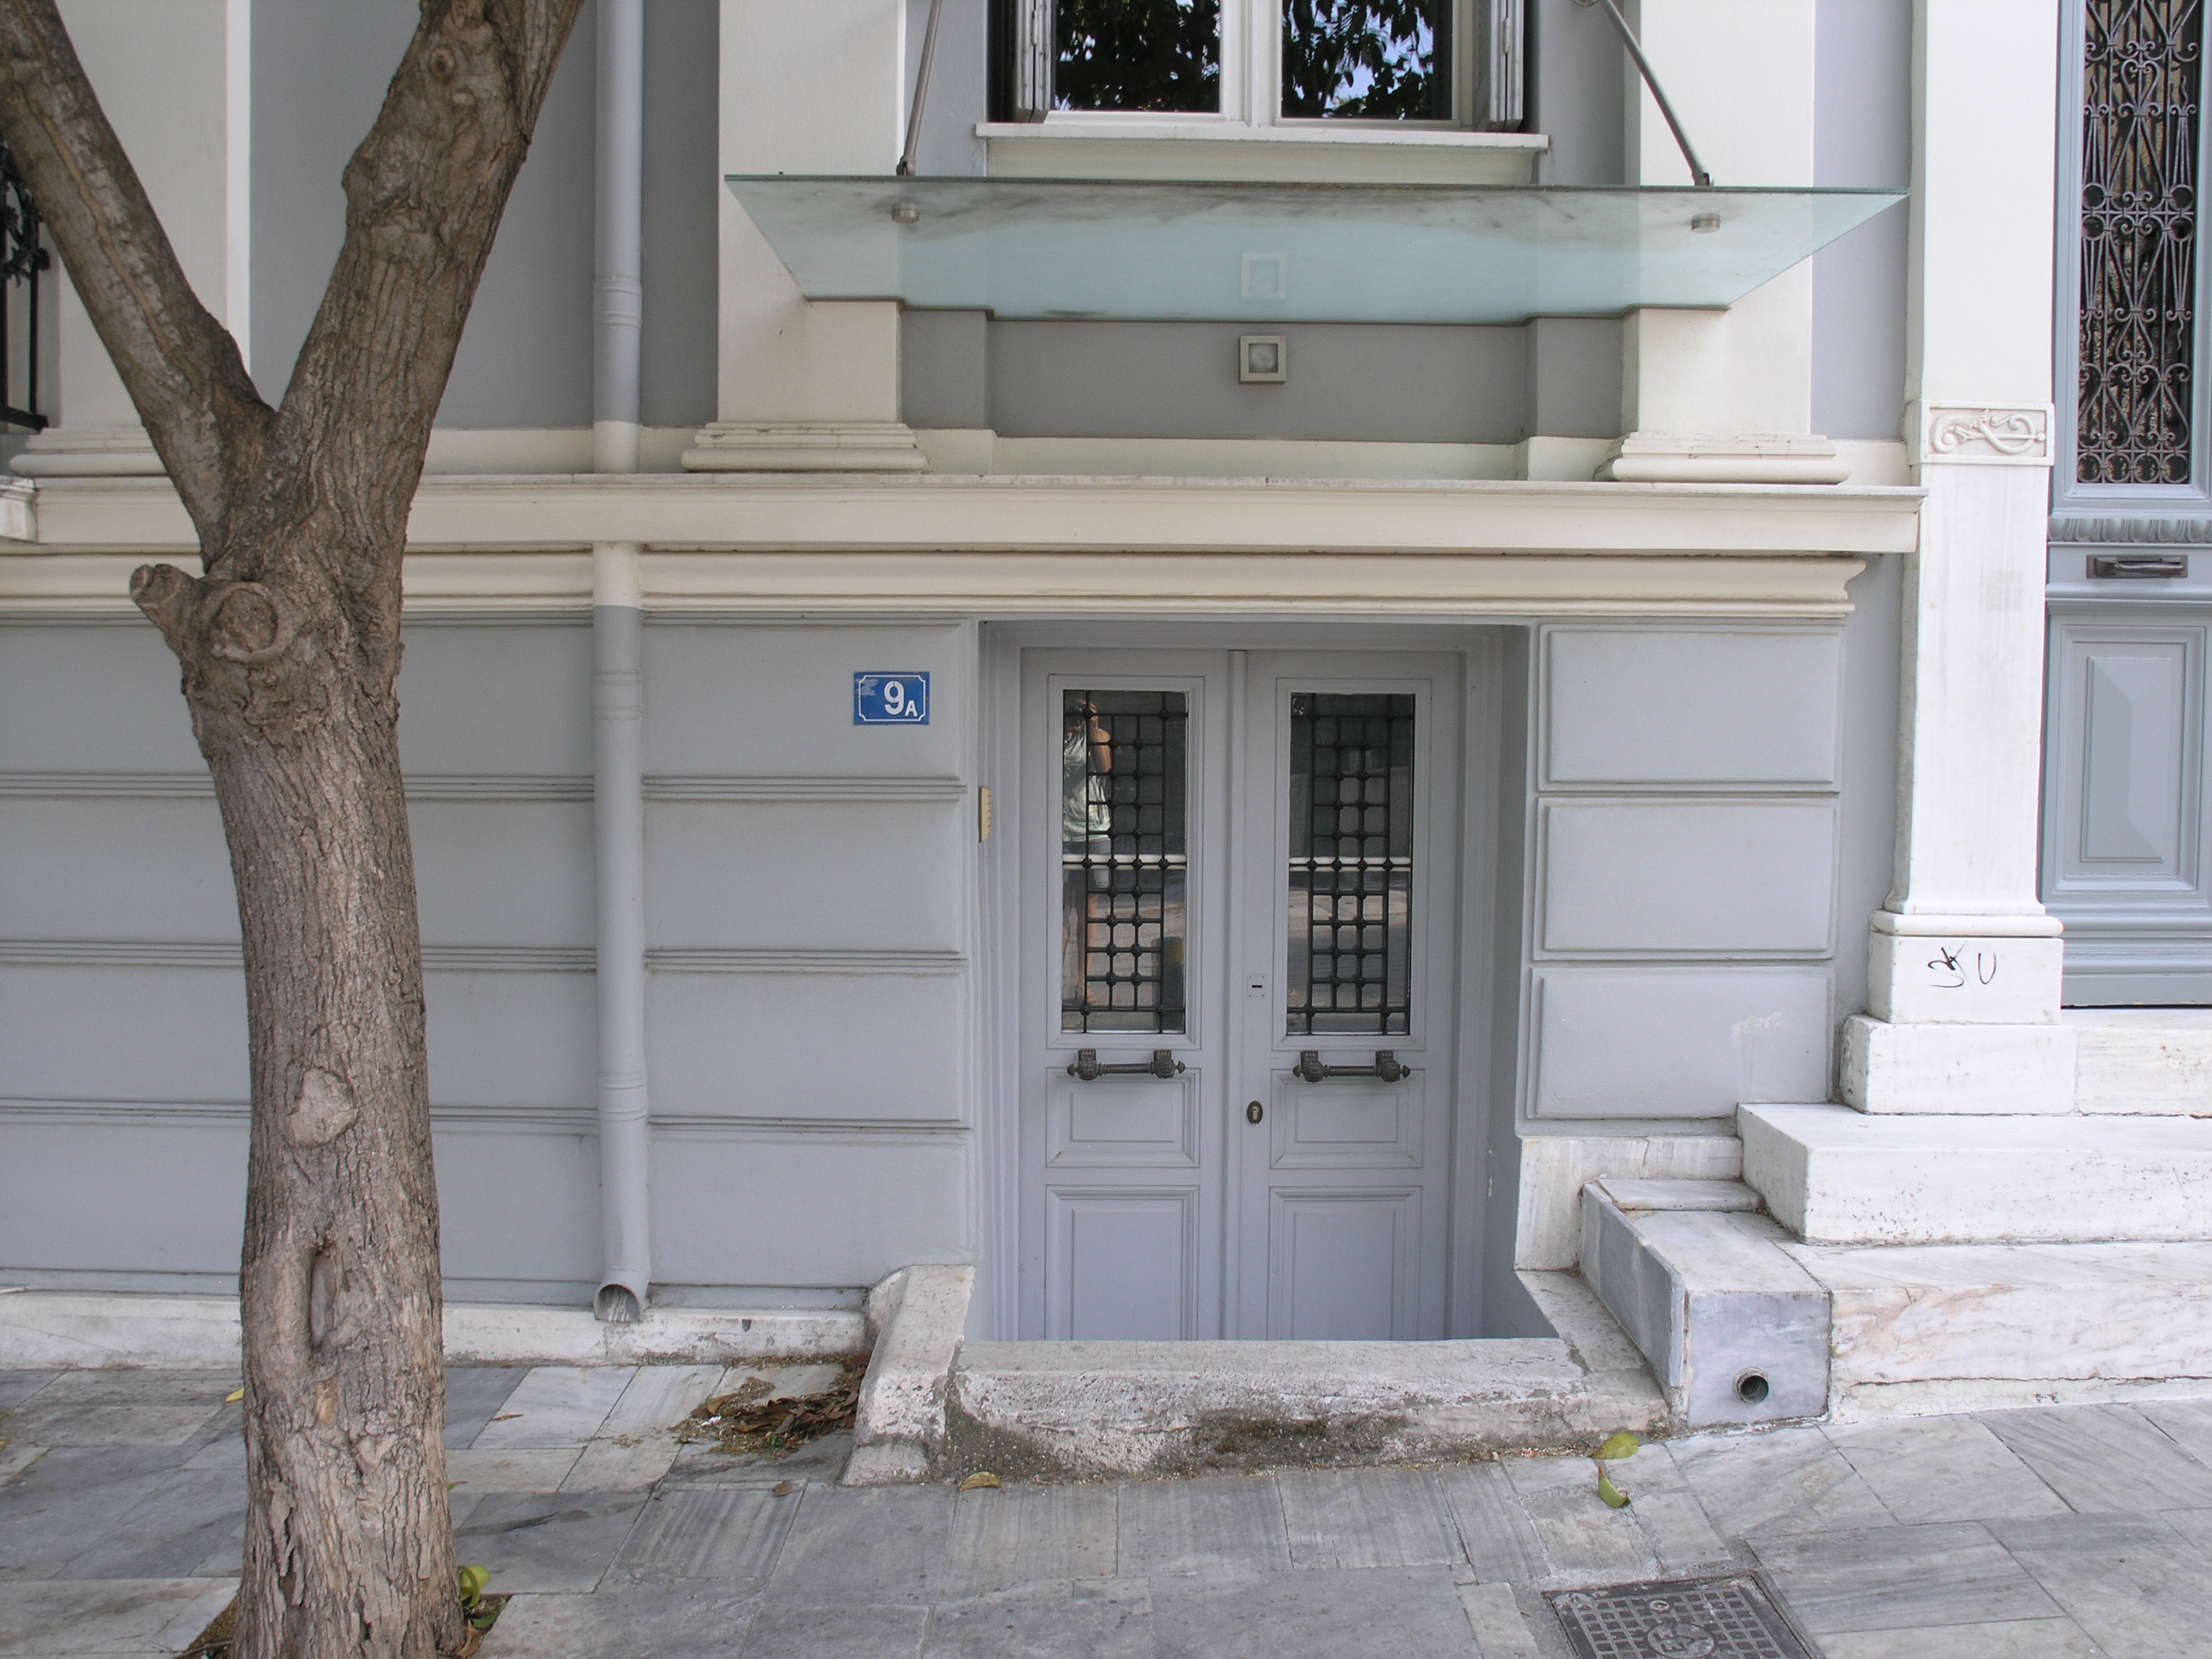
1832,1176
1734,1329
1958,1327
2142,1059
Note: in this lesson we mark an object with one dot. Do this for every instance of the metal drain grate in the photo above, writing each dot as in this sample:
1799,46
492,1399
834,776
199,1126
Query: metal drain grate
1685,1619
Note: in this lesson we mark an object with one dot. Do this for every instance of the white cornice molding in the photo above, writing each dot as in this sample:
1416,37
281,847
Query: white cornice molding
1035,545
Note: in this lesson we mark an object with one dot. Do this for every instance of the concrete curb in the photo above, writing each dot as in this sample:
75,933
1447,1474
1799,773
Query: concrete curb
917,1316
48,1330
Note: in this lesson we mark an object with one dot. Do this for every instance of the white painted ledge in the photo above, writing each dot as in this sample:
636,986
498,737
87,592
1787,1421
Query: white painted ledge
69,1329
779,543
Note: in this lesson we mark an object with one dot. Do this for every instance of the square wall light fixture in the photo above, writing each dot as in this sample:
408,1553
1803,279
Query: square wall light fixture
1263,359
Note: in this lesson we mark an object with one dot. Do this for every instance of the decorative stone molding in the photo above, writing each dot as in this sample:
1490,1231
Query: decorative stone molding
2003,434
806,446
88,452
2135,531
19,510
1724,457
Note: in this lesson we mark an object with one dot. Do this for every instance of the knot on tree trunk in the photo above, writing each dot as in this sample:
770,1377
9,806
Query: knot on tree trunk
246,656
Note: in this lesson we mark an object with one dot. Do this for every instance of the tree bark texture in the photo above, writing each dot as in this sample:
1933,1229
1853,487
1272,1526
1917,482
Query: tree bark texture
290,643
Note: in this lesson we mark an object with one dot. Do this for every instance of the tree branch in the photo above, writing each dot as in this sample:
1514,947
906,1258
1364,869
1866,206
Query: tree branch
180,365
425,195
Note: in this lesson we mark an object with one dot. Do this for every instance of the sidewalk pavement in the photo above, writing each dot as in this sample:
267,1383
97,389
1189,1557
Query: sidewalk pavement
2059,1533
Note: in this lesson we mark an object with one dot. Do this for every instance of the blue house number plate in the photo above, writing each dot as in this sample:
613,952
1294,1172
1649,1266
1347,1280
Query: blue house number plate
890,699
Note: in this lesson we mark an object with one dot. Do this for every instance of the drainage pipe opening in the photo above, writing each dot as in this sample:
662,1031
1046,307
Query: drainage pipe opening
1751,1387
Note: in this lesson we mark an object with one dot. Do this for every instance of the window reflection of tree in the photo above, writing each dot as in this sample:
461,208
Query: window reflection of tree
1375,60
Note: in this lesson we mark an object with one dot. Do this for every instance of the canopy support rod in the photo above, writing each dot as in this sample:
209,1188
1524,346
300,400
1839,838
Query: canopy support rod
1698,176
920,90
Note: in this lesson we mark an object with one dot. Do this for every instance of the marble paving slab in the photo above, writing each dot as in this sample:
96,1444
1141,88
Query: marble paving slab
1005,1537
2131,1581
729,1535
2108,1459
1213,1525
848,1630
1583,1539
71,1499
547,1540
1366,1519
555,1405
1495,1534
1375,1612
1790,1480
1943,1469
528,1468
60,1619
1109,1618
884,1545
474,1396
1901,1578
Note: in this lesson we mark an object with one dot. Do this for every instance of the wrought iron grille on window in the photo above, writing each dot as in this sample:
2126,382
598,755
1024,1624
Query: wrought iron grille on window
1124,859
23,256
1350,872
2142,87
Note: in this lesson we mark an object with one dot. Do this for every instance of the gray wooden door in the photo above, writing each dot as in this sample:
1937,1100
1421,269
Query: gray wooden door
1240,904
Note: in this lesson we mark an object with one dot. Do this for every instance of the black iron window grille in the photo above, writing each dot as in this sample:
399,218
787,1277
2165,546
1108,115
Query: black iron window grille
2142,85
1350,870
23,259
1125,860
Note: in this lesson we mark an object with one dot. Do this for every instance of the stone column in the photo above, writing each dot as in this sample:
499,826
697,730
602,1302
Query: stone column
1724,397
820,89
173,81
1964,964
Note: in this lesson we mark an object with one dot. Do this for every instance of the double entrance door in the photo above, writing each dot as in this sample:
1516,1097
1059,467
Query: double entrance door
1240,913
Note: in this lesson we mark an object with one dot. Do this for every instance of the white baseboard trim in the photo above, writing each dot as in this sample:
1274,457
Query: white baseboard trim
49,1330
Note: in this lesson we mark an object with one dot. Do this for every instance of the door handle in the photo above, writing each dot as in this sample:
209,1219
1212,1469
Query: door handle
1386,1067
1162,1064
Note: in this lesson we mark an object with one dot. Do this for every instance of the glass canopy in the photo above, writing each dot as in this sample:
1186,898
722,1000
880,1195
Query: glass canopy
1160,249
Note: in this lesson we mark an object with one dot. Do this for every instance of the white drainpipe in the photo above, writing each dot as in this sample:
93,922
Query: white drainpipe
619,678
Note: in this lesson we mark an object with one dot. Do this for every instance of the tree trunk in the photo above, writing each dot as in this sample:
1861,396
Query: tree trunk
348,1518
290,648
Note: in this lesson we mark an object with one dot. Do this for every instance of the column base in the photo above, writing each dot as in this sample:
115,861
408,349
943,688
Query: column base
1949,1069
88,452
806,446
1724,457
1972,976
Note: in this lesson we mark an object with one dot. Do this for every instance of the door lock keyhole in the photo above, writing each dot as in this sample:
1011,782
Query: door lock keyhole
1254,1112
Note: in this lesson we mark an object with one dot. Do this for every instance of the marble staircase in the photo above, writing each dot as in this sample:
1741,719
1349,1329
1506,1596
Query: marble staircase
1948,1262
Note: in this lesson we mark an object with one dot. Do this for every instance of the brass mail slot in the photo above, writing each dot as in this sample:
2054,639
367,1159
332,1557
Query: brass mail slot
2140,566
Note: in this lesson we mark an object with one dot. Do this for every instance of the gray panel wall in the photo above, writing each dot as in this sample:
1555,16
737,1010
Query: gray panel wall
1862,135
1577,93
807,903
1381,383
320,68
1688,830
959,84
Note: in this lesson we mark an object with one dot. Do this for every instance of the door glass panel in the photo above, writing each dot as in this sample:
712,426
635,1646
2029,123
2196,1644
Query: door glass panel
1367,60
1351,875
1124,859
1136,54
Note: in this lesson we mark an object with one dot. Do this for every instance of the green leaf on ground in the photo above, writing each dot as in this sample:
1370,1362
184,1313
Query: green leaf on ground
1615,1498
1623,1444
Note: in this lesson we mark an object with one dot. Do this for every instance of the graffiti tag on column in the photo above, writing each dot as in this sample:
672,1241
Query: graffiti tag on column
1949,968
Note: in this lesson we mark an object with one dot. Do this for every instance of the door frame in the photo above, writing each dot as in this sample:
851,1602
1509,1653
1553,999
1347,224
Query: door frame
1475,1118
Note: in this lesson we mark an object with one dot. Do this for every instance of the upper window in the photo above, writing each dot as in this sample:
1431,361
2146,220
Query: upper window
2130,281
1263,62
